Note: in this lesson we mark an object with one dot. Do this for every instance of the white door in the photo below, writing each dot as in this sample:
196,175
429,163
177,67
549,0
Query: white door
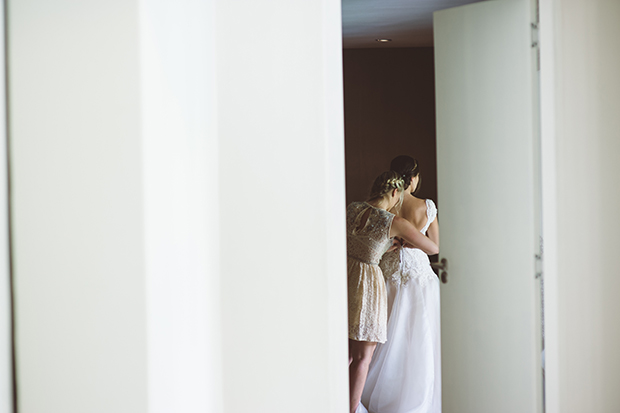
488,202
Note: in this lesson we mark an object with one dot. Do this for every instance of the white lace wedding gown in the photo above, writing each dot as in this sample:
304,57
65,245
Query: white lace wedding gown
405,372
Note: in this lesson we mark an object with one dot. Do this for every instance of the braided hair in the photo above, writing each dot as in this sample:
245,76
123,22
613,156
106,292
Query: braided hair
385,184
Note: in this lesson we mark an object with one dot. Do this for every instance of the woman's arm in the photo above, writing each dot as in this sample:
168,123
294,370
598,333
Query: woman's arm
404,229
433,232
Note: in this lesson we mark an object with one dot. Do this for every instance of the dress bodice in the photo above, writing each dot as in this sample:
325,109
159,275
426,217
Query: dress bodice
402,264
368,242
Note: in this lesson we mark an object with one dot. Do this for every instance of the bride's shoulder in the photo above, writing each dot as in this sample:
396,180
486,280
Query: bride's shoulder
416,203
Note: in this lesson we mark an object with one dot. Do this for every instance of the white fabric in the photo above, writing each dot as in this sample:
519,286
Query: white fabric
361,409
431,214
405,372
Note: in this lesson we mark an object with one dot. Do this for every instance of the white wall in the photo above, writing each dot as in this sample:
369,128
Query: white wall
581,150
113,163
180,186
282,206
178,246
77,203
6,345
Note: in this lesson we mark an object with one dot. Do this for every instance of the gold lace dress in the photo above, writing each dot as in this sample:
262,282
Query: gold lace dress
367,294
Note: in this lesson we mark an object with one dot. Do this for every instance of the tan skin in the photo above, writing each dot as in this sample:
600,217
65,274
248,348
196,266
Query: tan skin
413,209
360,352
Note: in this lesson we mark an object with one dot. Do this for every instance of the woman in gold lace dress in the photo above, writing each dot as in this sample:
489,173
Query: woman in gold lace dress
370,231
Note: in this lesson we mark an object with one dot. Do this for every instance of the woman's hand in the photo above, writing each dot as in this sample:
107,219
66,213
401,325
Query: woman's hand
396,244
403,228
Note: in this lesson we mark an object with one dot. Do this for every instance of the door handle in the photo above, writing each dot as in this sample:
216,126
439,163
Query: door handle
442,267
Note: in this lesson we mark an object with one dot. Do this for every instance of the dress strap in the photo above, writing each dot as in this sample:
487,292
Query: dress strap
431,214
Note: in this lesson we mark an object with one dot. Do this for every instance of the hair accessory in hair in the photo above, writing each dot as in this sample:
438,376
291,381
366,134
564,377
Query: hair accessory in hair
395,183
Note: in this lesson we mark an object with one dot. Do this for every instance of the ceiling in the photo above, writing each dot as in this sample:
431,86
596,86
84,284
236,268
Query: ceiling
409,23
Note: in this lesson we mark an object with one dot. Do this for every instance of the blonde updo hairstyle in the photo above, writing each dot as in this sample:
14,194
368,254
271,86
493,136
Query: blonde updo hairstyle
385,184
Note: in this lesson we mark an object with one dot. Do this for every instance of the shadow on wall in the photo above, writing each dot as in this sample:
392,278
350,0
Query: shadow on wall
389,100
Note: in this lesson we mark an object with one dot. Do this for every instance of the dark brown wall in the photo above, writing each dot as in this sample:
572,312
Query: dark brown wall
389,99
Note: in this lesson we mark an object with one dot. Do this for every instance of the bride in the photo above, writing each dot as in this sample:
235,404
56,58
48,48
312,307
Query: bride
370,230
405,372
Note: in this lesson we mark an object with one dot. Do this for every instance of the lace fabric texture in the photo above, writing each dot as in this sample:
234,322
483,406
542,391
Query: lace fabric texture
369,242
366,286
405,371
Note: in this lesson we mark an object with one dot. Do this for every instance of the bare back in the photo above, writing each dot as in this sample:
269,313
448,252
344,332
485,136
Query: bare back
414,210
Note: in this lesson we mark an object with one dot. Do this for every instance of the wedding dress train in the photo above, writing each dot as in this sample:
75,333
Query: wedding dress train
405,372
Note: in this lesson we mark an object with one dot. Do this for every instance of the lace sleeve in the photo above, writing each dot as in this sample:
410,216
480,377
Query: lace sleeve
431,214
431,210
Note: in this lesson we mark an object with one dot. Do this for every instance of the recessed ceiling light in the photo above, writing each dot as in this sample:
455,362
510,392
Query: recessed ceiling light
383,40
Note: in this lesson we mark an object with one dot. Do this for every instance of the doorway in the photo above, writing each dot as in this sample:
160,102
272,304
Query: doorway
383,101
389,97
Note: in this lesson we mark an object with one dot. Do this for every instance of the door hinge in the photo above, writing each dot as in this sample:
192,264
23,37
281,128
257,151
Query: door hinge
538,262
535,43
538,266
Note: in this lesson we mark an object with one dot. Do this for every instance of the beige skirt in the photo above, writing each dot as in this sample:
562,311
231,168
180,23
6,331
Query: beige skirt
367,302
